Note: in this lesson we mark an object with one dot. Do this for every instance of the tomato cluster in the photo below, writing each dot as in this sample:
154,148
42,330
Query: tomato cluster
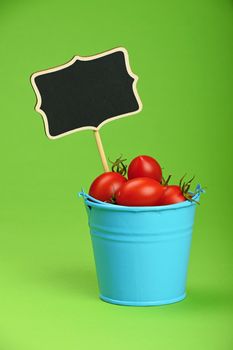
145,185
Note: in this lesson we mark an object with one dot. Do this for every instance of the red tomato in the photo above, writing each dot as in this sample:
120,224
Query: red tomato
145,166
105,186
172,194
142,191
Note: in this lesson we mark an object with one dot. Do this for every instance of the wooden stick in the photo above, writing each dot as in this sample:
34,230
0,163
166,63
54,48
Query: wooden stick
101,150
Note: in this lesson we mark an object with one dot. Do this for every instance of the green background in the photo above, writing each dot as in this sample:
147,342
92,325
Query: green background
182,52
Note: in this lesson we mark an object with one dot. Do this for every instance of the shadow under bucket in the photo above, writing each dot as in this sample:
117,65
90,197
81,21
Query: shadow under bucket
141,253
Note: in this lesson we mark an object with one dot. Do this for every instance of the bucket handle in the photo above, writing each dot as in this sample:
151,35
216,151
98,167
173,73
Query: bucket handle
198,190
88,197
85,196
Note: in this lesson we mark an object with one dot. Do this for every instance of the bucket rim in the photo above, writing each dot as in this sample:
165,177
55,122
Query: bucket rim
92,202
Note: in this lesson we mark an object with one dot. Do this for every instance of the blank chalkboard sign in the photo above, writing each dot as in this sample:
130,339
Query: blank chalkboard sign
86,92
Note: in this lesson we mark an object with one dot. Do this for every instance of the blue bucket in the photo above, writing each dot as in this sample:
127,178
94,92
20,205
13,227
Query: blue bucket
141,253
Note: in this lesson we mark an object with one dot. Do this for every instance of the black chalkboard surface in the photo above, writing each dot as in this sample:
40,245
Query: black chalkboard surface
86,92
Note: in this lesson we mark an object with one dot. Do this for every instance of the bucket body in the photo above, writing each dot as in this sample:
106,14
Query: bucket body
141,253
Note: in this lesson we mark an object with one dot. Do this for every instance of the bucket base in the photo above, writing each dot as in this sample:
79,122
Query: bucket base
142,303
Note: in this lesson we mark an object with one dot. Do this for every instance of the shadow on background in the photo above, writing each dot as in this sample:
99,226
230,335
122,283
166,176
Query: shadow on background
73,280
201,299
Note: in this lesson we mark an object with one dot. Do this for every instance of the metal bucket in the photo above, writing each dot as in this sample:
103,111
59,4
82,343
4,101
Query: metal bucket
141,253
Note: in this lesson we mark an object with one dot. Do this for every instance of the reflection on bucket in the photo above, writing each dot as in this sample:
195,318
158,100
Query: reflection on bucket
141,253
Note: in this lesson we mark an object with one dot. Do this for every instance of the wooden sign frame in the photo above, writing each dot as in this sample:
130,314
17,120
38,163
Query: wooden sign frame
85,58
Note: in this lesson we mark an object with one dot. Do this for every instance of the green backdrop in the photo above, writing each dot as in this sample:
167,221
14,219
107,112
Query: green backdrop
182,52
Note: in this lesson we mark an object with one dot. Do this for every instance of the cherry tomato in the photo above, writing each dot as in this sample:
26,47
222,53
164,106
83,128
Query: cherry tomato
145,166
141,191
171,194
105,186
